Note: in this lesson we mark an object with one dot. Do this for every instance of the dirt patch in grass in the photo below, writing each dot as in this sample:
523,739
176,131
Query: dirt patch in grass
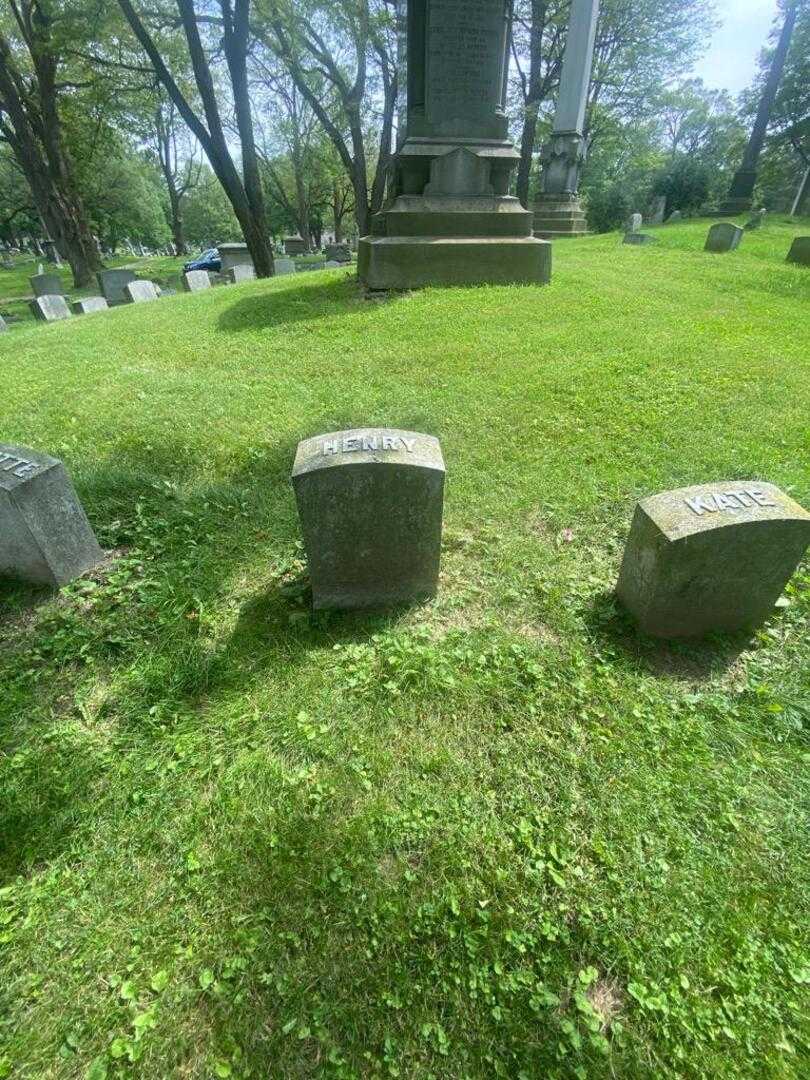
606,998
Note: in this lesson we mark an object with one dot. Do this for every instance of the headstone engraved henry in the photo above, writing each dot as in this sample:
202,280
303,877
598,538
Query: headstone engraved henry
370,502
50,308
711,558
800,251
139,292
45,537
194,280
451,219
723,237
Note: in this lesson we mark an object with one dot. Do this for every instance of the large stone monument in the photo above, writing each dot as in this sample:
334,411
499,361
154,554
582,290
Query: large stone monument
45,537
450,219
740,194
233,255
711,558
558,212
370,502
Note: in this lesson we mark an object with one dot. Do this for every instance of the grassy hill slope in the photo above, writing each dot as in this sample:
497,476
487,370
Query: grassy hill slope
496,835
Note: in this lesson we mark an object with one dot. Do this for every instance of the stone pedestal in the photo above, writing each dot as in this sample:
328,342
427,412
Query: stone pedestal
450,219
558,216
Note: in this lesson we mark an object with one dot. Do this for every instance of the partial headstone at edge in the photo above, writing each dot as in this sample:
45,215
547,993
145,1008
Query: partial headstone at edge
722,237
45,537
370,502
715,557
799,251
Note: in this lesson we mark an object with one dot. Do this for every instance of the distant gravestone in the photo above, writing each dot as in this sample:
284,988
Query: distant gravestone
233,255
634,223
294,245
676,215
3,325
340,253
112,282
283,266
45,537
723,237
47,285
800,251
89,304
331,265
639,238
756,221
51,254
370,502
658,208
50,308
195,280
140,292
711,558
237,274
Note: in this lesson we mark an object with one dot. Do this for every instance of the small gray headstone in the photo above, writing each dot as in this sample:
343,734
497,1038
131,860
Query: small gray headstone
723,237
3,324
50,308
370,502
634,223
47,285
283,266
800,251
340,253
89,304
140,292
195,280
676,215
711,558
45,537
241,273
112,282
639,238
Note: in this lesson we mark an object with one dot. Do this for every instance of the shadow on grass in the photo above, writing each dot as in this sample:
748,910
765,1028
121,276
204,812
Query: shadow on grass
339,296
687,659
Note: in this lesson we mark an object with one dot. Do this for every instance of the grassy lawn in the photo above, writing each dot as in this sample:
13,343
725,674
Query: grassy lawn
497,835
16,291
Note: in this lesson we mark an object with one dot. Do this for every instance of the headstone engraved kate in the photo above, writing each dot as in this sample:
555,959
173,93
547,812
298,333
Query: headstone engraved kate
711,558
370,502
45,537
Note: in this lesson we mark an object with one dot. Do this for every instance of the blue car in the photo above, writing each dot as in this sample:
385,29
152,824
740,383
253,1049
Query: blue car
209,260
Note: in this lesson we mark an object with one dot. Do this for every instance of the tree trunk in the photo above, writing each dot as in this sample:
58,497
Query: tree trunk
802,193
533,100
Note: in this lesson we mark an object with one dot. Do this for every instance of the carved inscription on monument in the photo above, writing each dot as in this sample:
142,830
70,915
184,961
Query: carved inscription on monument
464,72
18,466
354,443
728,500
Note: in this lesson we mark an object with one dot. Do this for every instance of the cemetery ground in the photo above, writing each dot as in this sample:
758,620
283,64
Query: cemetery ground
500,834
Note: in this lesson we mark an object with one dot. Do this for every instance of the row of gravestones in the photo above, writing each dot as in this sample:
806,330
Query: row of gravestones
335,252
715,557
723,236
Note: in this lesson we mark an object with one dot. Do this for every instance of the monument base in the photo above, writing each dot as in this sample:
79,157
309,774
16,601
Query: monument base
559,216
412,262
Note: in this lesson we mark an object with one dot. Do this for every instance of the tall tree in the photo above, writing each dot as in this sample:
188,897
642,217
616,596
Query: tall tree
32,78
231,20
179,166
341,54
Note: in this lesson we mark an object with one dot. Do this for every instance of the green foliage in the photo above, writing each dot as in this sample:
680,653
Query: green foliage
495,835
685,183
208,216
608,207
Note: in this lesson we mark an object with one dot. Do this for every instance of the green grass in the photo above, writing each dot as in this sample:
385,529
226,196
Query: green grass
497,835
16,291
